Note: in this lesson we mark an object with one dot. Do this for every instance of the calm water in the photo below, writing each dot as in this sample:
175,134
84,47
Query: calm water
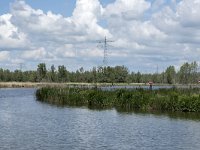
26,124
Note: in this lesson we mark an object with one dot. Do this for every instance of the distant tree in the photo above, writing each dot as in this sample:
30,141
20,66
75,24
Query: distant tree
52,74
138,77
131,77
170,74
184,73
7,75
111,74
94,72
41,72
194,72
154,78
100,74
81,76
32,76
121,74
18,76
188,73
62,73
1,74
81,70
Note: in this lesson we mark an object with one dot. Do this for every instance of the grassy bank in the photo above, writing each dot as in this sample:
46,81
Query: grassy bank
185,100
54,84
86,85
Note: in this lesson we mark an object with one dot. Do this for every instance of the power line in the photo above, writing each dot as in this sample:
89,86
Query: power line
105,47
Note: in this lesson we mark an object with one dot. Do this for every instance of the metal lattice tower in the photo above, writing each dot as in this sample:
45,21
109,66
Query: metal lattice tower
21,65
105,47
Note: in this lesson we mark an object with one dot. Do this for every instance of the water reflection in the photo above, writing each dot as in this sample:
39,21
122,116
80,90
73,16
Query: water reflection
36,125
172,115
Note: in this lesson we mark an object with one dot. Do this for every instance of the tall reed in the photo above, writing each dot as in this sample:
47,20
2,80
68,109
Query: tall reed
185,100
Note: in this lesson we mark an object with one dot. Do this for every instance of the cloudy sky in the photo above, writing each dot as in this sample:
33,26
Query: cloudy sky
146,33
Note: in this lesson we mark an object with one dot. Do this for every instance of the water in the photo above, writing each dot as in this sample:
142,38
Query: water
154,87
115,87
28,124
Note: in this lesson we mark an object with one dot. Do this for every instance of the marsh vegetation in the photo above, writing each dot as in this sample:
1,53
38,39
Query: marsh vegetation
183,100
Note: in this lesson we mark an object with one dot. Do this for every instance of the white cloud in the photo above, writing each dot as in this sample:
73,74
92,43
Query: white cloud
127,9
4,56
55,33
67,51
145,33
86,16
188,13
157,4
10,37
54,27
91,52
87,12
37,54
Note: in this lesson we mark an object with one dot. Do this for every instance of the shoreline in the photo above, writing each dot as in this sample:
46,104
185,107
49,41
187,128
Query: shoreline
76,84
63,84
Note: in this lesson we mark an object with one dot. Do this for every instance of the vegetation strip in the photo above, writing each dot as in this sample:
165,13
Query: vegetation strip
185,100
187,74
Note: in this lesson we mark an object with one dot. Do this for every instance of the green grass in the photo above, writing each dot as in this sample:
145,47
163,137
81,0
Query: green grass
184,100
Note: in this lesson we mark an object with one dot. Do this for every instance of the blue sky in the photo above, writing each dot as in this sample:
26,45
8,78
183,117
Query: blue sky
147,33
64,7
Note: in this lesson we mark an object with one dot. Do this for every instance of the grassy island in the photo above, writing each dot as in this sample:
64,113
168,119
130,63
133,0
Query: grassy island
183,100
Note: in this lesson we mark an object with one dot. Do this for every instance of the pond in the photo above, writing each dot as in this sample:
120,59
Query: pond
28,124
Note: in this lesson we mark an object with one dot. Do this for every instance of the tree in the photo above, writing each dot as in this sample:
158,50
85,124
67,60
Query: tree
188,73
194,72
17,76
52,74
138,77
184,73
121,74
32,76
62,73
7,75
1,74
94,72
170,74
41,71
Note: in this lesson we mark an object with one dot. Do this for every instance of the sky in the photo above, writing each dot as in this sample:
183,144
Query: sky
147,34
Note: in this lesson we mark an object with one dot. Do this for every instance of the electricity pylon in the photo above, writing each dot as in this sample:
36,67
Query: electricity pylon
105,47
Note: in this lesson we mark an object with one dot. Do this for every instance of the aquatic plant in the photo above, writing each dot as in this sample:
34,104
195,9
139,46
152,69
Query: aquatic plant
185,100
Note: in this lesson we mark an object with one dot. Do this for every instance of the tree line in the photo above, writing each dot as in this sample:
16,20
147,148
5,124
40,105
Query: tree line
188,73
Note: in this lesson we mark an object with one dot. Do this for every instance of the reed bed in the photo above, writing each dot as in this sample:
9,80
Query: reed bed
175,100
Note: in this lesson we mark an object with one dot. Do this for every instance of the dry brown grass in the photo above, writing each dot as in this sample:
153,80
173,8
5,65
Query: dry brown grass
44,84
